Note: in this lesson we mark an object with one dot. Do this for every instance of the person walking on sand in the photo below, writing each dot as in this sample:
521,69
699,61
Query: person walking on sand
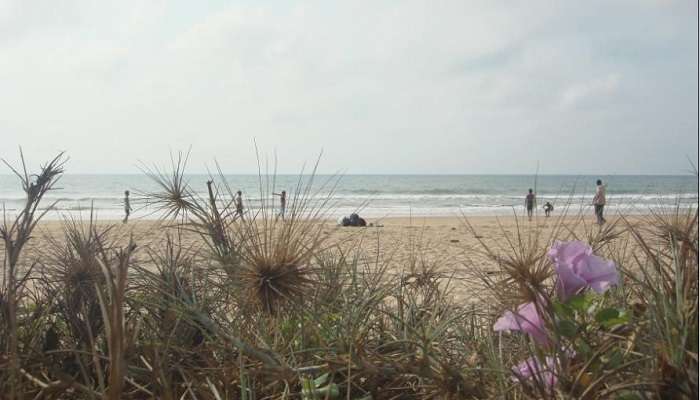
599,201
283,203
238,203
529,203
127,207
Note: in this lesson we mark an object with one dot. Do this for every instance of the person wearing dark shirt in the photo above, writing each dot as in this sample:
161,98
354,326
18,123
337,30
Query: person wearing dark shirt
530,203
127,207
238,203
548,207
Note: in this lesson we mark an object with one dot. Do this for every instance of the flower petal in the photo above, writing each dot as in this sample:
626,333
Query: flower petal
577,267
569,252
531,322
507,322
599,273
526,319
568,282
532,368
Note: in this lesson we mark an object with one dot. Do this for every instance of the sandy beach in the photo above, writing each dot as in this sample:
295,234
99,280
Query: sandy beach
447,241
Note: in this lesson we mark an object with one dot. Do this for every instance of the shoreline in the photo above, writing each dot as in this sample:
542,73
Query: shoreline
570,214
388,220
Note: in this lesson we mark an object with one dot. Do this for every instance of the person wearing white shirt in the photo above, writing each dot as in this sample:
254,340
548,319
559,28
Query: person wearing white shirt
599,201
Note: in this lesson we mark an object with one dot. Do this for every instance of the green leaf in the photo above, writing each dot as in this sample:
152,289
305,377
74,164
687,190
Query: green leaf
609,317
606,314
584,349
562,310
321,380
307,389
330,391
628,395
579,302
567,328
615,359
614,322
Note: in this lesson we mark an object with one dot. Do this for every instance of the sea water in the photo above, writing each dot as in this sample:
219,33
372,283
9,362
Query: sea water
372,196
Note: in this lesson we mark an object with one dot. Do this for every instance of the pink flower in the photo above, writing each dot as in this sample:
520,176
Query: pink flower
532,368
525,319
577,268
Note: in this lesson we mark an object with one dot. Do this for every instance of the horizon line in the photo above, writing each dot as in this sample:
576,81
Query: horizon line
688,174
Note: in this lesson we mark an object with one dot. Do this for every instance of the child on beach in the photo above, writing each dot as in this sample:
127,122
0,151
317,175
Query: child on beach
599,201
283,203
548,207
529,203
127,207
238,203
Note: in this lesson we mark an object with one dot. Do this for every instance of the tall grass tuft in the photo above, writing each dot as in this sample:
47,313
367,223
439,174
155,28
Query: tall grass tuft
72,273
665,273
15,234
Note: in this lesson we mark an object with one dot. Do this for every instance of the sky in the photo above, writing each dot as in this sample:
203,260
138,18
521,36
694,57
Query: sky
380,87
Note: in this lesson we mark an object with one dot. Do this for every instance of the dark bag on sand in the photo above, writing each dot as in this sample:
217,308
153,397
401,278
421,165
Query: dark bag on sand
353,220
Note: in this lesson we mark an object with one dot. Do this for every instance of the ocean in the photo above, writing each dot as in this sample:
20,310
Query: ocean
377,196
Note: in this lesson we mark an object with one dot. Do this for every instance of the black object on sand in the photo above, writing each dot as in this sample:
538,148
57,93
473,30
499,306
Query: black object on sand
353,220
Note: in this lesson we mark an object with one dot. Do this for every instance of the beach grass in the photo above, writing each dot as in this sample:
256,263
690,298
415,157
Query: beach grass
265,307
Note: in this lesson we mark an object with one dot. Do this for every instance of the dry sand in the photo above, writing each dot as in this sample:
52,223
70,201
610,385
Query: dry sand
445,243
446,240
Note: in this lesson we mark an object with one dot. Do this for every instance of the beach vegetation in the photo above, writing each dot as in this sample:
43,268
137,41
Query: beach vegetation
217,305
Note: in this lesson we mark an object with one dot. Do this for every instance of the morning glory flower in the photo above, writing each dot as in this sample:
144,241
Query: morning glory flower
578,268
532,368
525,319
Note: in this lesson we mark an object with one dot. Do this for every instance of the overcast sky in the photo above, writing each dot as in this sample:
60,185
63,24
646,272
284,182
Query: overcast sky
463,86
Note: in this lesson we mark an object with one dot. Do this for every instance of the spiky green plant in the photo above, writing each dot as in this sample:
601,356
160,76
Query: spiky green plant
71,271
666,278
277,251
16,233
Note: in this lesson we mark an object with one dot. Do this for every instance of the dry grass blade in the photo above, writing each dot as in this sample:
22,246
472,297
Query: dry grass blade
175,199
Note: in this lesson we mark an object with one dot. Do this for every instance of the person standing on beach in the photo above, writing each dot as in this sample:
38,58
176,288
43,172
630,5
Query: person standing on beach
529,203
283,202
238,202
599,201
127,207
